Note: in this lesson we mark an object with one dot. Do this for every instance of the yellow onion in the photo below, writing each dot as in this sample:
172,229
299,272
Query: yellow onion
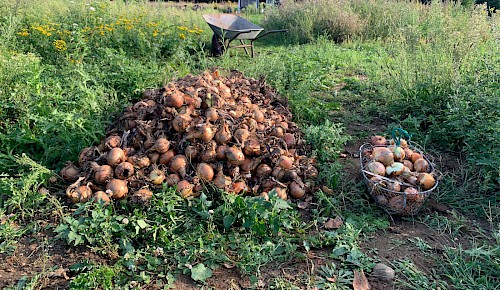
421,165
115,156
113,141
376,168
378,140
412,194
285,162
124,170
157,176
185,188
296,190
70,172
103,173
161,145
426,180
383,155
408,164
415,156
234,155
179,164
211,114
117,188
172,179
394,169
166,157
101,196
142,196
205,171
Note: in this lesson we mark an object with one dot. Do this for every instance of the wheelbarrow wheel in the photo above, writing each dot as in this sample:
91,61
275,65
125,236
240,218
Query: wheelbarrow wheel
217,46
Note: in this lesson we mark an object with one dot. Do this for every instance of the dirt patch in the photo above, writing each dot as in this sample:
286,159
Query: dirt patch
44,256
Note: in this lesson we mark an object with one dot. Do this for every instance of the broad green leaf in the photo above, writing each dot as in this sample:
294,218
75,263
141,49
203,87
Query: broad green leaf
142,224
200,273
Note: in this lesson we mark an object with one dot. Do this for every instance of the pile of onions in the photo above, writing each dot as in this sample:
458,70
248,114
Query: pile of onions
199,132
402,172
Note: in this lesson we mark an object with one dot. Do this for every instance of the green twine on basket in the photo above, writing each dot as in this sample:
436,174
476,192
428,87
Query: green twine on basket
396,138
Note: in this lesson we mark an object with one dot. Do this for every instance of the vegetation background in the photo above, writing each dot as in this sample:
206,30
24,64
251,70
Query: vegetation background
68,68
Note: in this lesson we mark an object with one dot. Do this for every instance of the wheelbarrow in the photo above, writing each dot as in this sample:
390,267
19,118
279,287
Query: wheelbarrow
229,27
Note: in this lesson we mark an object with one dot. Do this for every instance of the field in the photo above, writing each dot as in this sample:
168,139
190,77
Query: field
349,69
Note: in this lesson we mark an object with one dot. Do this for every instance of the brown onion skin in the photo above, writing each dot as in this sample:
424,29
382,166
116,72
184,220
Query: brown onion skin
185,188
179,164
115,156
113,141
263,170
161,145
205,171
421,165
117,188
174,100
172,179
142,196
124,170
70,172
296,190
220,153
103,174
285,162
234,155
166,157
101,196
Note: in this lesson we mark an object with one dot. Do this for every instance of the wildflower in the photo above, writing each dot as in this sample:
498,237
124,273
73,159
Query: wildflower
183,28
189,266
182,35
155,32
158,251
75,25
60,45
24,32
91,8
192,31
125,221
211,211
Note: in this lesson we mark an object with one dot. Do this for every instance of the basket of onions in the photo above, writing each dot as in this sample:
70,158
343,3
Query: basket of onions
199,132
398,175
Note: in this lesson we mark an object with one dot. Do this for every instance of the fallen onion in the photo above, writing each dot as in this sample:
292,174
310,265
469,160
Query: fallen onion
103,173
142,196
241,135
166,157
211,114
142,161
296,190
376,167
258,115
175,100
285,162
124,170
289,140
161,145
220,152
113,141
223,135
263,171
115,156
234,155
101,197
185,188
426,180
156,176
117,188
415,156
252,147
70,172
205,171
181,122
179,164
172,179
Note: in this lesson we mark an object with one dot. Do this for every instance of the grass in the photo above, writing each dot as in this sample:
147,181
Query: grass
432,69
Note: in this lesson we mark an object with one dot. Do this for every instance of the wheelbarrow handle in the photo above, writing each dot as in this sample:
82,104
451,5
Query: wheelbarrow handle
269,32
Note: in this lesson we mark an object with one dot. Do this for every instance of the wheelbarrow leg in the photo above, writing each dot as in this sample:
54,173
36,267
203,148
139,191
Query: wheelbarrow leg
242,43
251,48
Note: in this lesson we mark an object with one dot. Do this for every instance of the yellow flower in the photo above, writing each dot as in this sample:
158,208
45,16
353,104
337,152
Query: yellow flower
183,28
192,31
182,35
24,32
60,45
155,32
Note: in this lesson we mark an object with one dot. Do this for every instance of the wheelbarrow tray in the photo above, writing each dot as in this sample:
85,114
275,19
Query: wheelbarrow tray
230,26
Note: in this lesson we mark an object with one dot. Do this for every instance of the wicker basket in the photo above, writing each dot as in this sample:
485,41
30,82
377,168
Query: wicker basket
395,202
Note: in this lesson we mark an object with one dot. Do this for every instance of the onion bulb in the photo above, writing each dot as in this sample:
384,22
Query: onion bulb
223,135
115,156
161,145
234,155
179,164
412,194
399,153
181,122
175,100
211,114
289,140
296,190
141,161
220,152
101,196
394,169
112,141
157,176
281,192
415,156
103,173
166,157
421,165
408,164
117,188
70,172
172,179
376,168
378,140
124,170
252,147
142,196
185,188
383,155
221,181
285,162
205,171
277,131
241,135
258,115
426,180
263,171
